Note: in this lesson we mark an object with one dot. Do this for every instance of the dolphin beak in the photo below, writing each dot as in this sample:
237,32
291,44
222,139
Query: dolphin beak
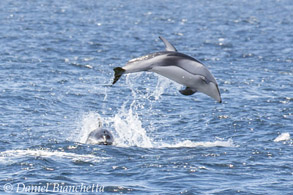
211,89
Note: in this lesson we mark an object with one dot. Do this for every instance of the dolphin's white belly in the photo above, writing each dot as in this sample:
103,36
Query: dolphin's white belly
178,75
196,82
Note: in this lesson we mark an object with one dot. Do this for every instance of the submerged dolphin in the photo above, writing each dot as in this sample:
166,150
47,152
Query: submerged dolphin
100,136
176,66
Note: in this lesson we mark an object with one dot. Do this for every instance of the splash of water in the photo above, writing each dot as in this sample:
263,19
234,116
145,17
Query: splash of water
129,130
127,123
89,122
150,93
162,84
127,127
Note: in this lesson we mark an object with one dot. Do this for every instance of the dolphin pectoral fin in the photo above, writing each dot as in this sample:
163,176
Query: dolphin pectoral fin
187,91
118,73
169,46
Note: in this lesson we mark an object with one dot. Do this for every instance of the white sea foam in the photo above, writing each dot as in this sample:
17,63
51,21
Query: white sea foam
283,137
13,155
191,144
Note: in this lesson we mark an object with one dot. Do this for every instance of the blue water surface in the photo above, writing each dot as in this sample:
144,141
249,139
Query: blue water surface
56,62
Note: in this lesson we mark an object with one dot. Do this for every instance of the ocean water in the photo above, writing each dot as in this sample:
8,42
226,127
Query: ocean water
56,62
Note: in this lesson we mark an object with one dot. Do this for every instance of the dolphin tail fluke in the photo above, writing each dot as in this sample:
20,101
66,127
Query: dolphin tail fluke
118,73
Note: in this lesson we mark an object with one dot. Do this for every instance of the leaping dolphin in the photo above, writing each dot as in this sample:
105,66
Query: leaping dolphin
176,66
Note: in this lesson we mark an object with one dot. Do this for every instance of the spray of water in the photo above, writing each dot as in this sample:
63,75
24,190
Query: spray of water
129,130
126,125
89,122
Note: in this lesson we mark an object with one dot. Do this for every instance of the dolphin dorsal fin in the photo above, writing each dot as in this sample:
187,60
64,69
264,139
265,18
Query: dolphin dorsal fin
169,46
100,122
